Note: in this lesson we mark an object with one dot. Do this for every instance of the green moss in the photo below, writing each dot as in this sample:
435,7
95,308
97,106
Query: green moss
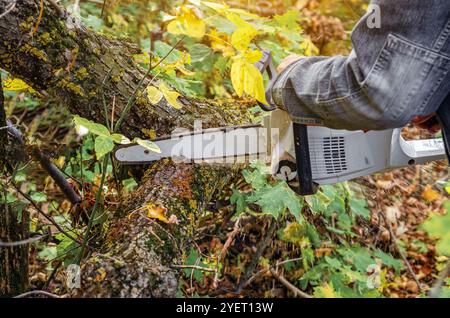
45,39
67,84
81,73
34,51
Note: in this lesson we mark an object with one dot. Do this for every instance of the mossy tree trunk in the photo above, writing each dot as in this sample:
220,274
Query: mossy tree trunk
66,61
14,227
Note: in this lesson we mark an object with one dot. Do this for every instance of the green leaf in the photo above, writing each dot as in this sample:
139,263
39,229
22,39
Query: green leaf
103,146
199,53
162,49
388,260
359,207
48,253
150,145
288,20
336,206
238,198
333,262
258,176
120,139
129,184
38,197
94,128
275,200
357,256
438,226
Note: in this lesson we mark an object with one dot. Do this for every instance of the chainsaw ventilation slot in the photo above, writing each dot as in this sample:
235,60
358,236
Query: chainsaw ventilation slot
334,154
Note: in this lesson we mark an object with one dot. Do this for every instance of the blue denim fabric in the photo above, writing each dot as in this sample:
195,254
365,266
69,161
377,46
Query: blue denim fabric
393,73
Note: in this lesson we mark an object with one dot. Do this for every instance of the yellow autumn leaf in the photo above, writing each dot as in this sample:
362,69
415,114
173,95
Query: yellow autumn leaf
447,189
154,95
253,56
100,275
156,212
246,78
244,33
242,37
220,42
430,194
309,48
216,6
188,23
170,95
326,291
15,84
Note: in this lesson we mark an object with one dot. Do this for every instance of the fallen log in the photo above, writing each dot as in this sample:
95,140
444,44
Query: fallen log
62,59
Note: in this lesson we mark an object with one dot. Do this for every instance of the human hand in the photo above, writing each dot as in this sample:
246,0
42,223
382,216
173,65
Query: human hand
288,61
429,123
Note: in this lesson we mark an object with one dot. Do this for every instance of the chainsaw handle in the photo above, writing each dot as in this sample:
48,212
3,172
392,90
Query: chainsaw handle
411,152
265,64
303,161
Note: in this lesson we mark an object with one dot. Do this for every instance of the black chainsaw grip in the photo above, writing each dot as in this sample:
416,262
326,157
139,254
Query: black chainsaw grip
443,116
304,173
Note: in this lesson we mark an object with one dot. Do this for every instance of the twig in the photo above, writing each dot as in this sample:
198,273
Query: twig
105,106
265,270
255,259
434,291
405,260
48,218
230,239
103,8
200,268
8,10
23,242
94,210
297,292
112,111
224,250
37,292
41,13
58,9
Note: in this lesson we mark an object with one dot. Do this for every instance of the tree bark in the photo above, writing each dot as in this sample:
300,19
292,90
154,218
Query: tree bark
13,227
68,62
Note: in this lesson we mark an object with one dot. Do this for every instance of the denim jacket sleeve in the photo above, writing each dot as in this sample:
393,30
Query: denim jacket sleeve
398,69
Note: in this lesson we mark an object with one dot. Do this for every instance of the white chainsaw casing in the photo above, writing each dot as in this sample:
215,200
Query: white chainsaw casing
340,155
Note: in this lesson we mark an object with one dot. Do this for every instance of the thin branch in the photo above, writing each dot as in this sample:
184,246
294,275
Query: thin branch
297,292
103,8
9,9
58,9
37,292
23,242
224,250
200,268
256,256
265,270
41,13
48,218
94,210
405,260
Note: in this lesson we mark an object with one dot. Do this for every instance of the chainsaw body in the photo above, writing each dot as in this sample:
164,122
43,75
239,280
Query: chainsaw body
314,155
304,156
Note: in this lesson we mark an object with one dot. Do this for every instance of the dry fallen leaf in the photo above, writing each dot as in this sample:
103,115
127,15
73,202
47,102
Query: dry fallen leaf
156,212
430,194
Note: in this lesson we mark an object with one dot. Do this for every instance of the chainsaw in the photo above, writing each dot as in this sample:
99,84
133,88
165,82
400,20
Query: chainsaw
303,155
